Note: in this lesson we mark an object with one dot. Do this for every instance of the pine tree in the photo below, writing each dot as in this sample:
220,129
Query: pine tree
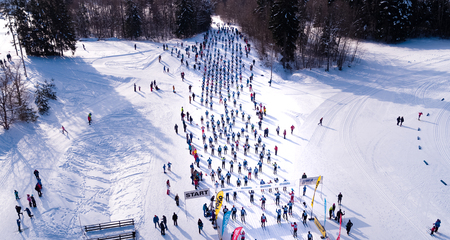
393,20
184,18
132,20
284,25
44,93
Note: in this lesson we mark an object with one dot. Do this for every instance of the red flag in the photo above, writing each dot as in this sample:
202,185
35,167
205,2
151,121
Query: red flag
236,233
340,224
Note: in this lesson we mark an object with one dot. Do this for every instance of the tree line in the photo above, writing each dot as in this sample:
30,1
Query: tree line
326,32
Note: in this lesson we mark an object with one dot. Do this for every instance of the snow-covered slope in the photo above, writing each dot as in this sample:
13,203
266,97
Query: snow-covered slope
112,169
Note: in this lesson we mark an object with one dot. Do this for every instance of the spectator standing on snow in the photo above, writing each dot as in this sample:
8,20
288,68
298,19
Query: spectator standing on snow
156,220
339,198
348,226
200,226
175,219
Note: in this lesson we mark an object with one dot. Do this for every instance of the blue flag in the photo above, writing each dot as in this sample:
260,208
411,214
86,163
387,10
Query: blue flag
226,218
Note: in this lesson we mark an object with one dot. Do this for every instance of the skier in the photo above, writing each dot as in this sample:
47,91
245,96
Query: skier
243,235
348,226
168,187
64,130
29,212
401,121
164,168
420,114
263,202
243,213
295,229
278,211
320,121
161,226
233,212
18,225
277,198
38,188
175,218
304,190
292,129
16,193
164,220
305,216
200,226
310,236
284,133
90,117
437,224
18,210
176,128
29,200
398,120
33,200
263,221
339,198
276,150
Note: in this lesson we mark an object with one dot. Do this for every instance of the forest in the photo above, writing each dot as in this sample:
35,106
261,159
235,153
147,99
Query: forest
299,33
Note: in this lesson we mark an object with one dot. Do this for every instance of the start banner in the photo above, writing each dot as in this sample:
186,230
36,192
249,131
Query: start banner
197,194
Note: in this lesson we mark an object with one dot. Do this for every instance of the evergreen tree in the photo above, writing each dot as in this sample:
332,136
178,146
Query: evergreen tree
44,93
184,18
132,20
44,27
285,27
393,21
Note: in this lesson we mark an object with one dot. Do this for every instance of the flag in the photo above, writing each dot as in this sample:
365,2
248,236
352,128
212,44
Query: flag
317,184
236,233
226,218
219,201
340,225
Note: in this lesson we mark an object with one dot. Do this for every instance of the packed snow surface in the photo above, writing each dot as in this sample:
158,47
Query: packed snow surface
112,169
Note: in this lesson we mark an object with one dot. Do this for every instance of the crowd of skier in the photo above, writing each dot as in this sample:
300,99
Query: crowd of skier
31,201
228,132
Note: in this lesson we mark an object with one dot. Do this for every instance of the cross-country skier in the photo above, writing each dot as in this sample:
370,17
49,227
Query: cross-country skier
295,229
278,211
243,213
263,221
304,216
16,193
310,236
29,212
320,121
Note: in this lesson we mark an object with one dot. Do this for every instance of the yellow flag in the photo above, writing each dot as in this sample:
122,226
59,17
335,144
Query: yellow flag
219,200
317,184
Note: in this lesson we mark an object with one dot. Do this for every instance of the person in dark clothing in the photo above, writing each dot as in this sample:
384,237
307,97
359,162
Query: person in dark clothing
161,226
19,210
33,200
339,214
200,226
164,219
177,200
156,220
176,128
349,227
18,224
175,218
401,121
398,120
339,198
29,212
36,173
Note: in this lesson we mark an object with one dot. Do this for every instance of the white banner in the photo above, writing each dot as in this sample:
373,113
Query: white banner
265,186
197,194
310,181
